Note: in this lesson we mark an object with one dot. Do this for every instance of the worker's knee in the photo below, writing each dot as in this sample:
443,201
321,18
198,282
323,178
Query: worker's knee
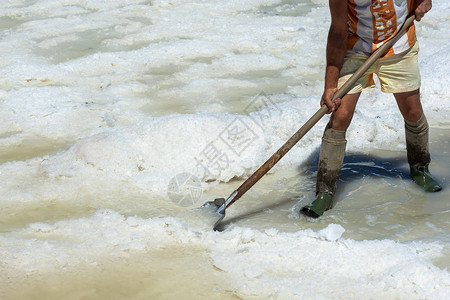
341,119
413,114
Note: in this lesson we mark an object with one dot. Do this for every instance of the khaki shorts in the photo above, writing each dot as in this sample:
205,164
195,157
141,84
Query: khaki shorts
397,74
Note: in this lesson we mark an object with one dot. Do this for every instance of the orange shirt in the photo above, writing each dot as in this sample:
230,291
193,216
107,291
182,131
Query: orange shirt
372,22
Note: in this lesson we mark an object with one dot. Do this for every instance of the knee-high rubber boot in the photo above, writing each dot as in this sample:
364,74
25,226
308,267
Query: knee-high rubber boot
331,157
332,153
417,148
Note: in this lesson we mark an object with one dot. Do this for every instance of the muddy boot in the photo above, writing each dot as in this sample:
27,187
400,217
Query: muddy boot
423,178
323,202
332,153
419,155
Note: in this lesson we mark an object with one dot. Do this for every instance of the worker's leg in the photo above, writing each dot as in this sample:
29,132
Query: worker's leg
331,157
417,145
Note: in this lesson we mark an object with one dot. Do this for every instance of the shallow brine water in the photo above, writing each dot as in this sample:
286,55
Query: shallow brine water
119,120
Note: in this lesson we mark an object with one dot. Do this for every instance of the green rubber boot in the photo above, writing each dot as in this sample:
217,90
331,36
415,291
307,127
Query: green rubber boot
323,202
423,178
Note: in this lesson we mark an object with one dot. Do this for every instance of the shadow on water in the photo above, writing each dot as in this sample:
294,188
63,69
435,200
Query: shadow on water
356,167
249,214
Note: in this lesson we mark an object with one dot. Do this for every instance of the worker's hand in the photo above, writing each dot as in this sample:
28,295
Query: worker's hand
326,99
421,7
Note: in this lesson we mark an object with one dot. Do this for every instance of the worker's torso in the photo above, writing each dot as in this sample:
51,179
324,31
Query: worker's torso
372,22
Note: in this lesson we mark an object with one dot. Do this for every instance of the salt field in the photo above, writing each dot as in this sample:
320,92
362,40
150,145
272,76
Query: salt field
119,119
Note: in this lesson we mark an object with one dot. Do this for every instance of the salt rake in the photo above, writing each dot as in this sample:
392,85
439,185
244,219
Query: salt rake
217,207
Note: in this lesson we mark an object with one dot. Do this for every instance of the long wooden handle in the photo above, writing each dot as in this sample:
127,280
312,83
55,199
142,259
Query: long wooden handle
256,176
